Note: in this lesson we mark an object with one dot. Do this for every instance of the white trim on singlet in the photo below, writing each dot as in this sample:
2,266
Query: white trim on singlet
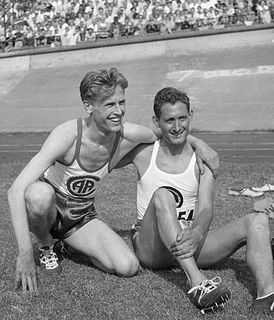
184,184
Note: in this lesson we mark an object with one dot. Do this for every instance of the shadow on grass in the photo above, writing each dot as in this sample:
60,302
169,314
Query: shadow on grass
67,252
242,274
173,275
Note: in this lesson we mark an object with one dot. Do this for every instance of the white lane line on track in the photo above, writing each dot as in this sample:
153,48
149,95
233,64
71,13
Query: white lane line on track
181,75
20,145
18,151
246,149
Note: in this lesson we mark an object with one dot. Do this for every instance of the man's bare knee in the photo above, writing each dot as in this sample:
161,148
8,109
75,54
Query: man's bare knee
39,197
258,221
125,266
162,198
128,266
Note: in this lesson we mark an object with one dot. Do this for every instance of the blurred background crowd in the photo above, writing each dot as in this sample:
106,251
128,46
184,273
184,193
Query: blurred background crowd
33,23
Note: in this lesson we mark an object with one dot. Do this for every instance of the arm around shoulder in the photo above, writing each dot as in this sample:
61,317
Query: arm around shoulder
205,154
137,134
204,212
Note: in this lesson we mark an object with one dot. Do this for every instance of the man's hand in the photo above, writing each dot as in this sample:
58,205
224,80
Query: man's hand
26,273
186,243
205,154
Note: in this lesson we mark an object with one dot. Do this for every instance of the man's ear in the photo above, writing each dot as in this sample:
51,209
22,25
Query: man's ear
87,106
191,114
191,119
155,121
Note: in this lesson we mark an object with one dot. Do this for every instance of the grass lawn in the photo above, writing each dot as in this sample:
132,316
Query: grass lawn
83,292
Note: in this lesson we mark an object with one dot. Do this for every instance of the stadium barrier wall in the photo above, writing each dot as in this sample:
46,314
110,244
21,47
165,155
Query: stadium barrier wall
111,51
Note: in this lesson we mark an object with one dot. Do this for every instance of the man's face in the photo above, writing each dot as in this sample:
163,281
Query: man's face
174,123
108,115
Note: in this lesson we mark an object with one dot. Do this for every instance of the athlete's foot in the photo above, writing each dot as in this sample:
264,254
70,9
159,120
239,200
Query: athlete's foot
49,259
209,295
263,305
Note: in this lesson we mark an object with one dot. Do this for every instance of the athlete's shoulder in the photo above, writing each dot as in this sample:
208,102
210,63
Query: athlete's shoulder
142,153
137,133
65,131
62,137
68,126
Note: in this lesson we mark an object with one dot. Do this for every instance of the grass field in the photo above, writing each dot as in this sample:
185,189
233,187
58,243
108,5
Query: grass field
83,292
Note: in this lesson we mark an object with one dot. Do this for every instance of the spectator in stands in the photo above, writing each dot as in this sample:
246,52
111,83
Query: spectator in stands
270,4
248,13
121,15
116,28
185,25
238,18
100,14
140,27
167,24
70,15
78,19
153,23
224,18
102,28
8,47
230,10
263,12
129,28
88,20
199,16
191,18
83,30
40,17
133,14
18,37
108,18
211,17
168,7
178,19
90,35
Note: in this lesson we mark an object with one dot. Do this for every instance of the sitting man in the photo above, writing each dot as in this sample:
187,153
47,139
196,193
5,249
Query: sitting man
175,210
54,195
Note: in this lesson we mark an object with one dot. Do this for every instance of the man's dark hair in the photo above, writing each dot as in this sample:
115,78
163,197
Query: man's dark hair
99,86
169,95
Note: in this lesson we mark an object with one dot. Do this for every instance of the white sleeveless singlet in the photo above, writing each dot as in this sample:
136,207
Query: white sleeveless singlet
184,187
74,180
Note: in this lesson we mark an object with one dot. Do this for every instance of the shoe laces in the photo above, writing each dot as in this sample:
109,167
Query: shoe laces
48,257
270,209
206,286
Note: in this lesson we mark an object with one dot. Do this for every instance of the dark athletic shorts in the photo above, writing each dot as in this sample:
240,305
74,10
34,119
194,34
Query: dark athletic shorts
72,214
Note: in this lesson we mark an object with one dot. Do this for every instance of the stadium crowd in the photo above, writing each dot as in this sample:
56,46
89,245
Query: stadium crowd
68,22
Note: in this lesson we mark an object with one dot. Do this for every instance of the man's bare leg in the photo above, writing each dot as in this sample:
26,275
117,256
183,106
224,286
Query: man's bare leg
252,229
159,229
40,204
106,250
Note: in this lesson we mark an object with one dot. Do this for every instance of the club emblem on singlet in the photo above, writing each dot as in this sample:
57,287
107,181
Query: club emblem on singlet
177,195
179,199
82,185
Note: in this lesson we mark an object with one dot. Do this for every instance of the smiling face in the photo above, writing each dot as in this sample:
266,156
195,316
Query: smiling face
108,115
174,123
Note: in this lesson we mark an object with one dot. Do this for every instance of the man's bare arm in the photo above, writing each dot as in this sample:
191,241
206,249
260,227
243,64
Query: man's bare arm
188,240
55,146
